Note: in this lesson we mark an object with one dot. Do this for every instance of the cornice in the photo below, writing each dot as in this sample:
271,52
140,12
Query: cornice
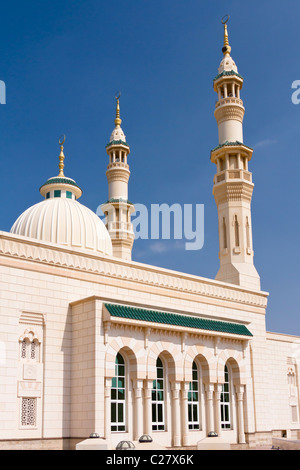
22,248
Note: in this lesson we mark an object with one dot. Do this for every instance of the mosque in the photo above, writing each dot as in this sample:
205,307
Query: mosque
92,341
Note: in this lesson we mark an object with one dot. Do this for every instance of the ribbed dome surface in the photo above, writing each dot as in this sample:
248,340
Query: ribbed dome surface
64,222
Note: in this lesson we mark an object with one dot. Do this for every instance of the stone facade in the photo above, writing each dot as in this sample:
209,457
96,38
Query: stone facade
54,297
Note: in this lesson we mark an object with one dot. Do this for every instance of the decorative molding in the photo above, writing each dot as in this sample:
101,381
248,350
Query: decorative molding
29,335
22,248
32,318
233,191
229,111
29,389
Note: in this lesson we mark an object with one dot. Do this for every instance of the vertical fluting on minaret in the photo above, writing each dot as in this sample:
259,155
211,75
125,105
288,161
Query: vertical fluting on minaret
118,209
233,184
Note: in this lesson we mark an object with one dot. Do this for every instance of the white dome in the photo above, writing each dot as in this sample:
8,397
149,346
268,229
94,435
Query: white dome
65,222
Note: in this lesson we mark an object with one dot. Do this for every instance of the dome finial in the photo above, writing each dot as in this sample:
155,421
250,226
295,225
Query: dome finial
118,120
226,49
61,165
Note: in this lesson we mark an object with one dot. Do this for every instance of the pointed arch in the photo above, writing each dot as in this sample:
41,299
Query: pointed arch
236,361
172,356
205,358
133,353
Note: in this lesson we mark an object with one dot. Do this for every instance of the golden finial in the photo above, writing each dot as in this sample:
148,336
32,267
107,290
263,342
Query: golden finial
226,49
61,165
118,120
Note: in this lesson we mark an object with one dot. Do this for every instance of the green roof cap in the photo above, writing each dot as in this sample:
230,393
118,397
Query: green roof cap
227,73
228,144
117,142
61,180
154,316
119,200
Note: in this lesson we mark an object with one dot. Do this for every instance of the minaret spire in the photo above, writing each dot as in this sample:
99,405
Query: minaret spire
226,49
118,120
233,184
61,156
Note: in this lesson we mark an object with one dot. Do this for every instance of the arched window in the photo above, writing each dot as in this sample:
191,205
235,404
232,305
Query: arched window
158,398
225,401
118,394
193,399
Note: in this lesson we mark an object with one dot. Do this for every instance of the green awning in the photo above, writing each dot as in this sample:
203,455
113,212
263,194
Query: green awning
186,321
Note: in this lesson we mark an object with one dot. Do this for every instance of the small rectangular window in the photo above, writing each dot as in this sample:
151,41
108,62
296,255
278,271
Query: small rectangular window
57,193
69,195
47,195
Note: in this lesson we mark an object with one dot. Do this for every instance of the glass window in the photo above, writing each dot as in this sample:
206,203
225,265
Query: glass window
47,195
57,193
225,401
193,399
68,194
118,395
158,406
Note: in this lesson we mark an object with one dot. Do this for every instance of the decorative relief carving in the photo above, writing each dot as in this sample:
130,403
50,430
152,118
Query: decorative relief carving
228,112
17,247
29,389
29,372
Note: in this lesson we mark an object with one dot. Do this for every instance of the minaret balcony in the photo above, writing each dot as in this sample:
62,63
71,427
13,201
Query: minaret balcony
229,100
117,164
119,227
232,174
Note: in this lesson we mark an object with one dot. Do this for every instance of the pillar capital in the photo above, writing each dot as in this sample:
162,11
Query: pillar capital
240,389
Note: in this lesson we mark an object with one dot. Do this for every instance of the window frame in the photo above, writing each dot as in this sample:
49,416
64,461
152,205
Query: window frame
117,403
158,398
225,401
193,401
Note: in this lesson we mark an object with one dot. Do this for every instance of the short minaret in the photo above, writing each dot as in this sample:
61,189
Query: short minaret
118,209
233,185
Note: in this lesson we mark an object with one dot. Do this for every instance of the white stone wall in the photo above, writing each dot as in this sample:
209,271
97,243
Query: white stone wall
49,285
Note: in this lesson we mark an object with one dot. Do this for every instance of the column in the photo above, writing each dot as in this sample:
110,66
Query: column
148,385
226,161
209,389
138,411
240,412
175,386
184,412
107,397
218,390
225,90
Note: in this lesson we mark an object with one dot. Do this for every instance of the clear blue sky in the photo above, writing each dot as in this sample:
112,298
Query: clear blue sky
63,61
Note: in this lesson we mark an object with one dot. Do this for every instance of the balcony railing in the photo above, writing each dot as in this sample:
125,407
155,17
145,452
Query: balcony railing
229,100
233,174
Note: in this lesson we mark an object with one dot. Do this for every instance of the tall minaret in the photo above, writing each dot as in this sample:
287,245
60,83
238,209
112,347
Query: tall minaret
118,209
233,185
